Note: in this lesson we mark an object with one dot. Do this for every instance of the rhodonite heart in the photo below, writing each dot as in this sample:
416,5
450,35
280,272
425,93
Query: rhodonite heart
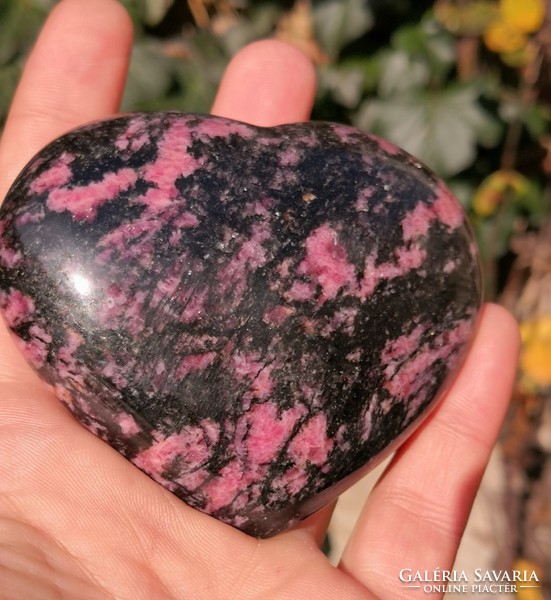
252,316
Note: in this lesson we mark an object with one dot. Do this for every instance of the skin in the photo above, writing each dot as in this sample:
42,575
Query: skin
79,521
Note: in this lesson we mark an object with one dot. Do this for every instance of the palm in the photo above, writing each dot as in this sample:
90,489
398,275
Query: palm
78,521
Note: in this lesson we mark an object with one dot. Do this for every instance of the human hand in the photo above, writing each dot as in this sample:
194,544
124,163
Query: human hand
78,521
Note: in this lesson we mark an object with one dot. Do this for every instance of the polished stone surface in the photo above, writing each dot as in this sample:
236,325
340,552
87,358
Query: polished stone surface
252,316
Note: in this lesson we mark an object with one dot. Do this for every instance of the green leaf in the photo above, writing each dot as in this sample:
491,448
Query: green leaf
401,72
150,75
155,10
339,22
346,85
371,69
428,43
441,128
537,119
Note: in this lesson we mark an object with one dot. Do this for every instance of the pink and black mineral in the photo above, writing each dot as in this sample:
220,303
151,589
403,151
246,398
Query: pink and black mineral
252,316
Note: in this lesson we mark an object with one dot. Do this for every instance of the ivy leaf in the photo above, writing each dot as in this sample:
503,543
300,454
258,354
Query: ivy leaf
429,44
441,128
400,73
339,22
345,84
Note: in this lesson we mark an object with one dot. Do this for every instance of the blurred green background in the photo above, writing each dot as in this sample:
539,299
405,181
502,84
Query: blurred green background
464,85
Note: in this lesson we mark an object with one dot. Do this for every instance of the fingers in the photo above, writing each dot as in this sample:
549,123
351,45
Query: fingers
75,73
415,516
267,83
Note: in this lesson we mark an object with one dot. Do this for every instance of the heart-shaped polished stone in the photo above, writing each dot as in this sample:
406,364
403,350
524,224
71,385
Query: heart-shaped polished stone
252,316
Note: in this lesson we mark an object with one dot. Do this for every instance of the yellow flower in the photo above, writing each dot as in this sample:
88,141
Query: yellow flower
503,37
535,360
528,593
493,189
524,15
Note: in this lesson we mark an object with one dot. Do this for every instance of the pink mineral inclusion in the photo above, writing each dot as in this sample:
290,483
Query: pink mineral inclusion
345,132
278,315
450,266
132,239
289,157
35,349
173,161
31,217
407,373
326,262
250,256
417,222
67,363
156,199
246,365
263,384
195,362
83,201
115,373
367,420
194,308
311,443
408,259
128,424
293,480
410,377
387,146
364,198
301,291
185,220
212,128
268,431
249,366
55,176
9,256
134,136
447,208
222,490
456,336
17,308
403,346
192,447
342,319
260,435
